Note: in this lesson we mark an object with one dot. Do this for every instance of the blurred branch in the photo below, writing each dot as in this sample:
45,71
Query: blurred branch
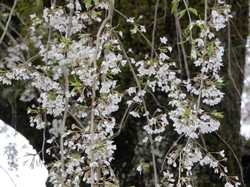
8,22
9,176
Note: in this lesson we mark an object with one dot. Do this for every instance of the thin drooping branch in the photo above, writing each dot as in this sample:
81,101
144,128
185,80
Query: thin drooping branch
173,145
138,30
230,63
93,97
8,176
143,100
123,121
179,34
203,57
146,112
12,39
235,157
231,77
154,29
178,48
44,136
237,31
76,119
66,90
8,21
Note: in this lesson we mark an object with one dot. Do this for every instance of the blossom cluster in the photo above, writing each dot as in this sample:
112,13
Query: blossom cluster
189,117
77,80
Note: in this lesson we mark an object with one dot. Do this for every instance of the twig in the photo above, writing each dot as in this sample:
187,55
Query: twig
173,145
203,56
146,111
179,35
154,29
8,21
93,98
178,46
66,82
144,103
123,121
8,175
138,30
229,61
234,84
235,156
44,135
13,40
76,119
230,75
238,33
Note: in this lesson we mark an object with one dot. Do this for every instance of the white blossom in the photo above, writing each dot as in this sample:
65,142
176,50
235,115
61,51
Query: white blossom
164,40
131,20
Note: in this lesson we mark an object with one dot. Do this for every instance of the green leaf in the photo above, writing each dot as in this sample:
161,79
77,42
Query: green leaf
110,75
142,109
187,30
65,40
145,166
103,95
219,84
76,85
218,115
115,27
187,112
75,155
194,11
211,49
140,81
163,50
87,4
96,2
100,146
181,13
112,185
2,72
183,42
52,95
82,36
31,111
175,4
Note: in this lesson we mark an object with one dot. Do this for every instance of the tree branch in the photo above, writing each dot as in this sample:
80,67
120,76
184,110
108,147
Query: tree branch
8,21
